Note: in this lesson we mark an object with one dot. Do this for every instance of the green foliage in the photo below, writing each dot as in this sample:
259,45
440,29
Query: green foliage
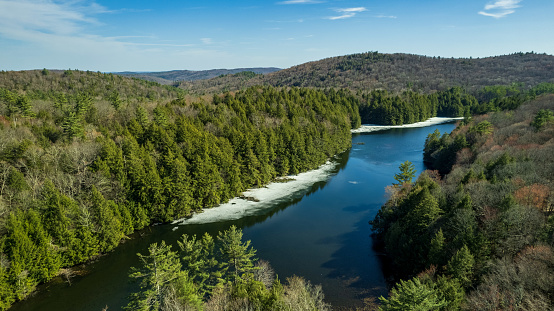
105,155
437,248
199,260
440,151
216,275
406,227
412,295
161,277
460,266
543,117
484,128
407,173
108,225
380,107
236,256
494,233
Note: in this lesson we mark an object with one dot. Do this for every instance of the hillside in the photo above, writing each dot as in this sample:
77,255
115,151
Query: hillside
481,237
397,72
88,158
171,77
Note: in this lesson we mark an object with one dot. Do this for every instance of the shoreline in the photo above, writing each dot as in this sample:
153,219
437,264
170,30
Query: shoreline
368,128
254,201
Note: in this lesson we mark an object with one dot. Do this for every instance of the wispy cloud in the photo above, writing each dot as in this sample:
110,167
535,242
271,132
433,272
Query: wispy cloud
43,16
347,13
62,31
385,16
64,21
500,8
300,2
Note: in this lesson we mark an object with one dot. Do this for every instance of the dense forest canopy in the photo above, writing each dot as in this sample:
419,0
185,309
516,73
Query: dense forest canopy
216,274
83,168
480,237
398,72
87,158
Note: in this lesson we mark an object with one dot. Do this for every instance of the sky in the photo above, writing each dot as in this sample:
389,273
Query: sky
163,35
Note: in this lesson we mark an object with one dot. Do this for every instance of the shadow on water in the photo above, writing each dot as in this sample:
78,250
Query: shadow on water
320,232
105,282
356,261
292,200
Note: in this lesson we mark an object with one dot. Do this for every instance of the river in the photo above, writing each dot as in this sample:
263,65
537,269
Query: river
320,232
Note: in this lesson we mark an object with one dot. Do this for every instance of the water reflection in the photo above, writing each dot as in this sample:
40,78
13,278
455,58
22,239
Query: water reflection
321,233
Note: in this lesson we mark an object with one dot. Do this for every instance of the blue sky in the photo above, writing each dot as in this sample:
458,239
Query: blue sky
163,35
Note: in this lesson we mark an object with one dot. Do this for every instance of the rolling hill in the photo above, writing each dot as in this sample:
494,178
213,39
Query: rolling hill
396,72
170,77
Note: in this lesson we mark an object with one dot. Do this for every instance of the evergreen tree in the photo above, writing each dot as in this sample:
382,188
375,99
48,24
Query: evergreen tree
160,268
108,227
198,258
236,257
407,173
460,266
412,295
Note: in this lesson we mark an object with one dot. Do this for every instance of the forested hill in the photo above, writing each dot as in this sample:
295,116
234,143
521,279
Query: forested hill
174,76
481,237
398,72
87,158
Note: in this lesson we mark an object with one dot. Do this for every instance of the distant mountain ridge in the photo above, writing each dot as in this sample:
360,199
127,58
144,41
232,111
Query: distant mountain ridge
170,77
396,72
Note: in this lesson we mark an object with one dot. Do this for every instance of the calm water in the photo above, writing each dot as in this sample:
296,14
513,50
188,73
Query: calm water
321,234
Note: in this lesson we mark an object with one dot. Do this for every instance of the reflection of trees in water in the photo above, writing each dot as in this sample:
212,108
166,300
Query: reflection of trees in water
361,275
251,220
166,232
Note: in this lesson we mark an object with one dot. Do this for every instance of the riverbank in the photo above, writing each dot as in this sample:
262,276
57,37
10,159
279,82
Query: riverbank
367,128
253,201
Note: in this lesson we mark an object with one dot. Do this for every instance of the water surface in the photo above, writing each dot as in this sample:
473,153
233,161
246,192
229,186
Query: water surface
320,233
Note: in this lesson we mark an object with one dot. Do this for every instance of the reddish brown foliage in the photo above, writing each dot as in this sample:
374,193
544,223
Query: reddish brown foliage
528,146
512,140
533,195
541,253
4,121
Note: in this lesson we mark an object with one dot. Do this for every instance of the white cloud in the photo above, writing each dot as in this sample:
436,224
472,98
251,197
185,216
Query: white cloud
57,33
207,40
48,21
503,4
347,13
500,8
42,16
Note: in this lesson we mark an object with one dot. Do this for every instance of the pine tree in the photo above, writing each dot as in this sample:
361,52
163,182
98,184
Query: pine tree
198,258
460,266
412,295
159,269
54,215
407,173
236,257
